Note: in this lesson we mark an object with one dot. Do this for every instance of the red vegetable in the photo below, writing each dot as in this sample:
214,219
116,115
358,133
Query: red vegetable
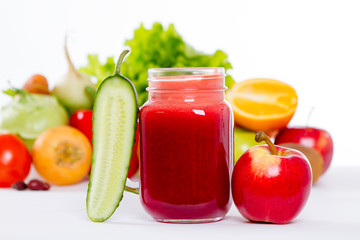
82,121
15,160
133,173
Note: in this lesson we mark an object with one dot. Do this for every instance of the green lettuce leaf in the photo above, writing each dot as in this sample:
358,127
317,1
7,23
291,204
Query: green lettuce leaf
97,69
156,48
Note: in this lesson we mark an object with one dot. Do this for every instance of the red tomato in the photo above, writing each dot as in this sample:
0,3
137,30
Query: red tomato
82,120
15,160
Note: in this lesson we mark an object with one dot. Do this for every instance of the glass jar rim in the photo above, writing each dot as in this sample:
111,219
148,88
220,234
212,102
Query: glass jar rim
187,72
186,79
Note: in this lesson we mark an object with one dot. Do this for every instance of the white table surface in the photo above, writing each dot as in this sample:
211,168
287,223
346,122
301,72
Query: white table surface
332,212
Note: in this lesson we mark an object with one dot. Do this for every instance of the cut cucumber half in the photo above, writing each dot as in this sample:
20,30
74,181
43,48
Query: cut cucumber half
114,125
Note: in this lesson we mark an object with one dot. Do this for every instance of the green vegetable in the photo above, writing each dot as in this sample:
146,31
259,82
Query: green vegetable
74,90
157,48
28,115
97,69
114,126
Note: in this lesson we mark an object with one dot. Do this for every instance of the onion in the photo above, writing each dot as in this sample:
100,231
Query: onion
74,90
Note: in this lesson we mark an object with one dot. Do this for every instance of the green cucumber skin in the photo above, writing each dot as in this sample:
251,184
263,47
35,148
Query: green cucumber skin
122,187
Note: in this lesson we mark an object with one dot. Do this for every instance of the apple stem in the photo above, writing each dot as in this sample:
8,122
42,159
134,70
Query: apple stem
132,190
261,136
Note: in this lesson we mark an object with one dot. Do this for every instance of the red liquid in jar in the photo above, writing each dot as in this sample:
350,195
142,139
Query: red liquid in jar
186,159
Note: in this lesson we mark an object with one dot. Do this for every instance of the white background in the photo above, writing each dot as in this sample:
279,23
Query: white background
311,44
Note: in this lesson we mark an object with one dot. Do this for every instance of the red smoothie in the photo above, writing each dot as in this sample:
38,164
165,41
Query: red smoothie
186,149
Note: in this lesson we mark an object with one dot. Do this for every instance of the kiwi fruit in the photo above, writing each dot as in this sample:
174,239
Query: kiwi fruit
315,158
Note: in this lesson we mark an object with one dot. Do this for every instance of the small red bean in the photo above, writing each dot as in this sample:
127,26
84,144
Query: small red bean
36,185
20,185
46,186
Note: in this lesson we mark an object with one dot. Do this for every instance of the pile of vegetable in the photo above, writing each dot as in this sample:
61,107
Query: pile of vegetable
37,117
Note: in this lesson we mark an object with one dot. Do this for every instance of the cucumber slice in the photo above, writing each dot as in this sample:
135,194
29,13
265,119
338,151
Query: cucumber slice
114,125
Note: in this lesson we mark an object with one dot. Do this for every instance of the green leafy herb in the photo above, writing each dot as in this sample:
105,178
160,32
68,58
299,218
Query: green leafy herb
12,92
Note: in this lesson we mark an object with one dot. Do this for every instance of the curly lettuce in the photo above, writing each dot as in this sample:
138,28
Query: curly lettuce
156,48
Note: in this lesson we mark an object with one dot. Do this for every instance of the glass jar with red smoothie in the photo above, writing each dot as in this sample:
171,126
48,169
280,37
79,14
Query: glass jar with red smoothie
186,146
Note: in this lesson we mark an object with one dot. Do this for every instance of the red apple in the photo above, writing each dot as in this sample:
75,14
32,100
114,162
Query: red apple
318,139
271,183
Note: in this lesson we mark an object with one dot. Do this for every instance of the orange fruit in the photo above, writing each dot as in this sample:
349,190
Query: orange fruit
62,155
262,104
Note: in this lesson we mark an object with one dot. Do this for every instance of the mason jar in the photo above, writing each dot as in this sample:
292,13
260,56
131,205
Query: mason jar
186,145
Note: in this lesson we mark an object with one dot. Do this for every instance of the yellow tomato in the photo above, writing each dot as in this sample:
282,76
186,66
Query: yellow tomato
62,155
